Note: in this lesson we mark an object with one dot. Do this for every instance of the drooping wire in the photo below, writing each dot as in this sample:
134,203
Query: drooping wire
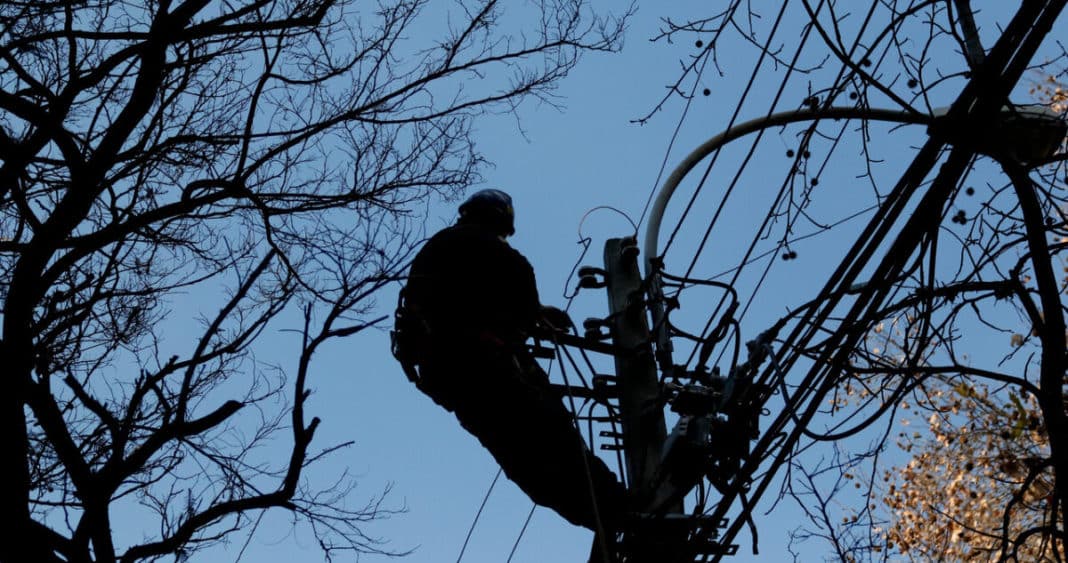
611,412
471,530
585,241
521,532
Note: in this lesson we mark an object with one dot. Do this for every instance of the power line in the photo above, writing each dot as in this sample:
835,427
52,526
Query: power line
734,118
477,514
706,55
984,94
521,532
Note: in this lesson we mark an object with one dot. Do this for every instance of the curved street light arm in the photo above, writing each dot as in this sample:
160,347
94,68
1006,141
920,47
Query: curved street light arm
652,231
661,338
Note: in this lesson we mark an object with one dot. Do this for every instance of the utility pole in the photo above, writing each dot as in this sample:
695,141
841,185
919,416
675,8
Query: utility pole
641,411
641,417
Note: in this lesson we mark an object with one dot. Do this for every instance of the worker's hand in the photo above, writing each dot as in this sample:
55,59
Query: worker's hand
555,319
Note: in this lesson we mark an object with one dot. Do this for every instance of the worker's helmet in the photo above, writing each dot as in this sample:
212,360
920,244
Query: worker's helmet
490,208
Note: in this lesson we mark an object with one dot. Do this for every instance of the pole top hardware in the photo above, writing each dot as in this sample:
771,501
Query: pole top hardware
628,249
696,400
591,277
604,387
592,329
1025,134
701,530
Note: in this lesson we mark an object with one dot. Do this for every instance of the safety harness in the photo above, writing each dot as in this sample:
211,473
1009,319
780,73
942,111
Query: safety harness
409,339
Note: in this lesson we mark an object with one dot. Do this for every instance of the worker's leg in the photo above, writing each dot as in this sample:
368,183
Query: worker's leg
532,435
443,374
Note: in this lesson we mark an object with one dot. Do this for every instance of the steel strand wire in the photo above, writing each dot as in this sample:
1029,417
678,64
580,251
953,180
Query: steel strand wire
909,111
659,212
844,277
1046,15
1018,22
818,382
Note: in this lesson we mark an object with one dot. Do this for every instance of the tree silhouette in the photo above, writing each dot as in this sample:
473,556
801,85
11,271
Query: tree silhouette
972,460
265,156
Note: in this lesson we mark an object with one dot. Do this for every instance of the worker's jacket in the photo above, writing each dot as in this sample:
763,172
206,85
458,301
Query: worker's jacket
469,304
468,285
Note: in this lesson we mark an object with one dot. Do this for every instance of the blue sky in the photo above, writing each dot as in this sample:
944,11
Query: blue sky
563,164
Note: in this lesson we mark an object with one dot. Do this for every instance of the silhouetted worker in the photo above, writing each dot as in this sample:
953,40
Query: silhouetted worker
466,312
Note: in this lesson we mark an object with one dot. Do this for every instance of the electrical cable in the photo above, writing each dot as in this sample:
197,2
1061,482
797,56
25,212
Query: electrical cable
521,532
706,55
874,221
779,198
875,232
817,379
585,242
841,79
599,533
767,268
786,183
764,51
477,514
737,175
730,124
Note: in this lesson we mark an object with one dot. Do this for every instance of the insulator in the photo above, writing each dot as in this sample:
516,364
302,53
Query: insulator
590,282
591,277
593,323
604,386
595,333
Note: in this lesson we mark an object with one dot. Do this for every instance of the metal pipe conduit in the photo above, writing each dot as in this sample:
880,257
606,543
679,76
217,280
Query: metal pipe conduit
652,231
